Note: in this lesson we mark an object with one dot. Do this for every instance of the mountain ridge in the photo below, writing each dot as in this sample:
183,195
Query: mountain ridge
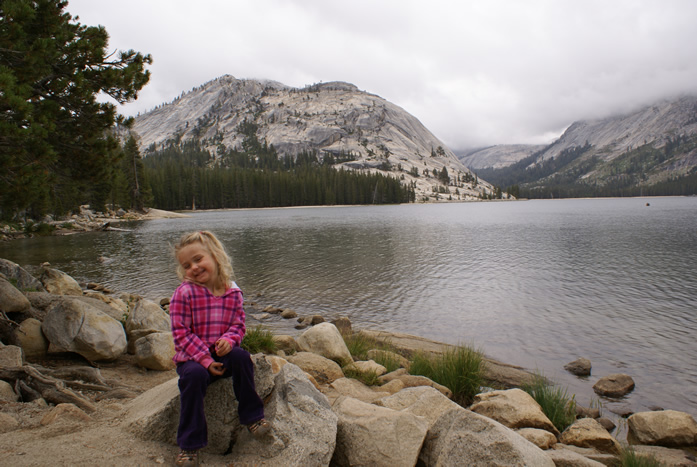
330,118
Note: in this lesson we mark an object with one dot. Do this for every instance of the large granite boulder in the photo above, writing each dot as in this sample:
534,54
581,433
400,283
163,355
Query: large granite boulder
59,283
668,428
11,299
377,436
75,326
304,426
154,415
457,436
514,408
21,277
325,339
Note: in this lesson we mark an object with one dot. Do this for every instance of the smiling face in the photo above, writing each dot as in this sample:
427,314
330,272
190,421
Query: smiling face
198,265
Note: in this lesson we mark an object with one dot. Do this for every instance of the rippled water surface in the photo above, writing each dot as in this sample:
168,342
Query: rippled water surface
534,283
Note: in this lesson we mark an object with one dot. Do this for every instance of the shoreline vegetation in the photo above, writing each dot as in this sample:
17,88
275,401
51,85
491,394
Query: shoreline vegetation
379,363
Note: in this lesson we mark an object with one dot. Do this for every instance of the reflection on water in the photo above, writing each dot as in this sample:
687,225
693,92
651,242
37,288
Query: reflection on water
537,283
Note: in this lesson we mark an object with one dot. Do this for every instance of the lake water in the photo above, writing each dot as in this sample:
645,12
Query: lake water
532,283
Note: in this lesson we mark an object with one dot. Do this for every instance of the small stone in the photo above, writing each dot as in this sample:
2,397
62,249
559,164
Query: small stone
615,385
580,367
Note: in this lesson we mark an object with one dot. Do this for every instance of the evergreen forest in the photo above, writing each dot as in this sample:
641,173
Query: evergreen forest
187,176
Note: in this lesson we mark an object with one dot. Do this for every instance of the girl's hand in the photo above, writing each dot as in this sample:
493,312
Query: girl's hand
222,347
216,369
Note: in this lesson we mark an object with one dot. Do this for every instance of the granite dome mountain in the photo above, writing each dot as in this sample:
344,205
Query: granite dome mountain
333,118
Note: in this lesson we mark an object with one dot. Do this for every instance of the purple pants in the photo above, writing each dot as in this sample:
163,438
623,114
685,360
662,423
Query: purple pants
193,383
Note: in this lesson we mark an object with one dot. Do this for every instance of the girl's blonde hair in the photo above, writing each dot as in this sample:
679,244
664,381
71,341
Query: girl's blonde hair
217,251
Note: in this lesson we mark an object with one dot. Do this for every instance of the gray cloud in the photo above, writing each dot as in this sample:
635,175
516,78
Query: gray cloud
475,73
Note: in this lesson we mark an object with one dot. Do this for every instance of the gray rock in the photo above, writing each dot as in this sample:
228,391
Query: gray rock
355,389
615,385
74,326
343,324
289,314
514,408
543,439
7,394
154,415
667,456
457,436
579,367
25,281
155,351
376,436
462,437
59,283
669,428
147,314
325,371
588,433
567,458
366,367
11,299
11,356
304,426
30,337
325,340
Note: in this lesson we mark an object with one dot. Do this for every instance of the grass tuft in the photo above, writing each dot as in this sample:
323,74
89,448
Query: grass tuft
369,378
555,402
460,369
629,458
258,340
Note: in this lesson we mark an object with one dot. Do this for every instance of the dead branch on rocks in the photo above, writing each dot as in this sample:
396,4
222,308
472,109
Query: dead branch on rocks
30,381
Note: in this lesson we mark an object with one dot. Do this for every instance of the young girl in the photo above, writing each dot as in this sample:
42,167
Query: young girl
208,324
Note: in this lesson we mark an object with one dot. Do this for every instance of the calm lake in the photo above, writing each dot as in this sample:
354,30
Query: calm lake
532,283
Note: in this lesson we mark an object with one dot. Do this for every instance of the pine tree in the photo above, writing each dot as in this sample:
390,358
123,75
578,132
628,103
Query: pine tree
54,149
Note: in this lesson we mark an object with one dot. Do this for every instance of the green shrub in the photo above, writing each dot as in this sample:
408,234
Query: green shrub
629,458
555,402
258,340
459,369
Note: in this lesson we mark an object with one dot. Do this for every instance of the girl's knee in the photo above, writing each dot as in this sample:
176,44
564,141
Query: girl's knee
192,371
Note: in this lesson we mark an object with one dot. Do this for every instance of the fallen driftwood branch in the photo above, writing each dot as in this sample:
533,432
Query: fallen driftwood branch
32,383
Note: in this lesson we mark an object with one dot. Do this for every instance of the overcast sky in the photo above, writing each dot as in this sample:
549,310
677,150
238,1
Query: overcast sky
473,72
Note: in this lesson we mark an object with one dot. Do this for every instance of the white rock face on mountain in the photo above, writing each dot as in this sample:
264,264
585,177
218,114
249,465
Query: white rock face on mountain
331,118
615,135
498,156
609,137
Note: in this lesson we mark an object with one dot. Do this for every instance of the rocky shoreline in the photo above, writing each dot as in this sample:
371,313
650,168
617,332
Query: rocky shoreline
86,220
108,384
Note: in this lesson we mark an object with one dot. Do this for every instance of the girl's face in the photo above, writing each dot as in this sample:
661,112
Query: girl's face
199,266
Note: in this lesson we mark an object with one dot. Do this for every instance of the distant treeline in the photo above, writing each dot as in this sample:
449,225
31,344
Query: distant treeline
186,176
